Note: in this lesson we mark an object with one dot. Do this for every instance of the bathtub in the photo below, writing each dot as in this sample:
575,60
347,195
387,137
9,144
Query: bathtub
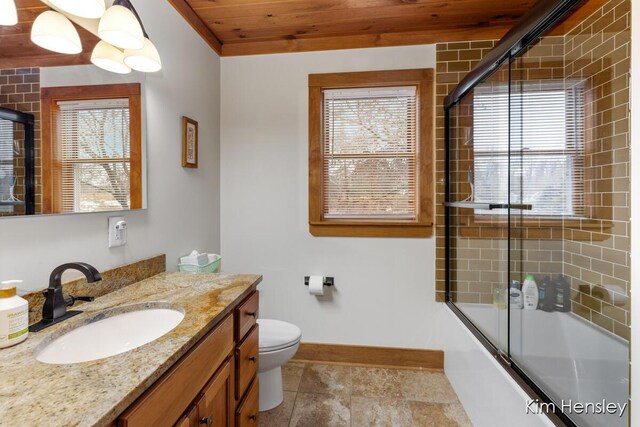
569,358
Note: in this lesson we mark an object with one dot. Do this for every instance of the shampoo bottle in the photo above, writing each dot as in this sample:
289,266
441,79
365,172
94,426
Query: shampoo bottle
515,295
563,295
530,293
14,315
547,295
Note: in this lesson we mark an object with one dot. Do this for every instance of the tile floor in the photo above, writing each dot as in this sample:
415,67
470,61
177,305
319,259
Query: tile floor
319,395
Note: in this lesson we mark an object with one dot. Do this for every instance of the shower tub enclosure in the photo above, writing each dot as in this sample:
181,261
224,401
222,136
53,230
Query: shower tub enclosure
537,190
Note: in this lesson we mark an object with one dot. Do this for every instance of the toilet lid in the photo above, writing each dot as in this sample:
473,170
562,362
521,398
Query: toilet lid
276,334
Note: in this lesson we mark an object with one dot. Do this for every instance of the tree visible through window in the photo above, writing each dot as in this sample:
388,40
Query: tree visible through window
542,151
94,152
370,153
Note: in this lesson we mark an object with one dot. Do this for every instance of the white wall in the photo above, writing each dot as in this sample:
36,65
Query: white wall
183,205
635,213
384,291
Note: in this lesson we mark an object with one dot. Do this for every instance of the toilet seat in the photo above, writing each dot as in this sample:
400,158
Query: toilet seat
276,335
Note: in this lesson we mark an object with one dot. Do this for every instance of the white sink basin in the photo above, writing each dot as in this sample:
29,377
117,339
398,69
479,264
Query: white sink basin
110,336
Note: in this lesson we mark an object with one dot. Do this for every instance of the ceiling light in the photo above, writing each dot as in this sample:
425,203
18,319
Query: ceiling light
109,58
146,59
53,31
8,13
119,27
91,9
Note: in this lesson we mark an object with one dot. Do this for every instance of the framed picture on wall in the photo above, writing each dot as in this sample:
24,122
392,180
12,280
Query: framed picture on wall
189,143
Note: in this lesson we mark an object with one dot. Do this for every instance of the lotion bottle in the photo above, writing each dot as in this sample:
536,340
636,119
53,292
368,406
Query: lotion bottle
14,315
530,293
515,295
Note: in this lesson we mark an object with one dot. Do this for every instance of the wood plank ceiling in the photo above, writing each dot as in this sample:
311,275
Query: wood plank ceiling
17,50
245,27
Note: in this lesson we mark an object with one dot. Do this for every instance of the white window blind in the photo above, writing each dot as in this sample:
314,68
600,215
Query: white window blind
93,150
370,153
6,162
544,125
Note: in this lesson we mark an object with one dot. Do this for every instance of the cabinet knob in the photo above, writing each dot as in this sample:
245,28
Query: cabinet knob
254,359
206,421
253,417
252,314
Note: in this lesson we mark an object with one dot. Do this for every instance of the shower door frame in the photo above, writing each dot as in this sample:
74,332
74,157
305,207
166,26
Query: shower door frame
28,121
540,20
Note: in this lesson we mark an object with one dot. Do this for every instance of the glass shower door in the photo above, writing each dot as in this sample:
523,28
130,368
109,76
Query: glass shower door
477,203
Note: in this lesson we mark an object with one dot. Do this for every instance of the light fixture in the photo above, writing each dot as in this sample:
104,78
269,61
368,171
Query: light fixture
90,9
146,59
53,31
109,58
119,26
8,13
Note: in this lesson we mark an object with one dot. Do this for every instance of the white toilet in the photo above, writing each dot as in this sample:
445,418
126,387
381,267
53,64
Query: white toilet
278,342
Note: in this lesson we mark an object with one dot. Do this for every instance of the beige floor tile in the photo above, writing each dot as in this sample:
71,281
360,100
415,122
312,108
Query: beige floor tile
321,410
328,379
291,375
380,412
438,415
425,386
281,415
376,382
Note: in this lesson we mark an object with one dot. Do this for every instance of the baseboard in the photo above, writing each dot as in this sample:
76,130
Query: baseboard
385,357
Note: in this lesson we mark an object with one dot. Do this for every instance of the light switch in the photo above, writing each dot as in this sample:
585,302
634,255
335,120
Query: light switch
117,231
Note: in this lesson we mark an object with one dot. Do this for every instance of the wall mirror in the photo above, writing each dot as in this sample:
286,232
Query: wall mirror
72,135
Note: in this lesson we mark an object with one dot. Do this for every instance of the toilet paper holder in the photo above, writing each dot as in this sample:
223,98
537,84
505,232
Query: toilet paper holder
328,281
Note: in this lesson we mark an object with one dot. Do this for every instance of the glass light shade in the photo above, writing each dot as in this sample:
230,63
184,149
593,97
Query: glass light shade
8,13
91,9
109,58
120,27
146,59
53,31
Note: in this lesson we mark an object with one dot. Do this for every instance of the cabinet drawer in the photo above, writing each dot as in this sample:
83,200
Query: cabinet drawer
215,408
247,414
247,355
166,400
246,316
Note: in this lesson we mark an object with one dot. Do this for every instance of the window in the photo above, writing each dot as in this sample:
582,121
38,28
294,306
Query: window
371,154
91,143
547,148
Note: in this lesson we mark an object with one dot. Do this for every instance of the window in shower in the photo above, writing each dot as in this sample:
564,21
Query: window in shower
545,121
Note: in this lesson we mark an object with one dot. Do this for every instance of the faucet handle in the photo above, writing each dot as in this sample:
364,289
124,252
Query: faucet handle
71,300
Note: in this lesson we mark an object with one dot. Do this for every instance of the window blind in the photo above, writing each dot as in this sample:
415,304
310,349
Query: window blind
542,152
6,162
93,152
370,153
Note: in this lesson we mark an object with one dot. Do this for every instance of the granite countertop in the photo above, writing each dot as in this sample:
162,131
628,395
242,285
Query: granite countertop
95,393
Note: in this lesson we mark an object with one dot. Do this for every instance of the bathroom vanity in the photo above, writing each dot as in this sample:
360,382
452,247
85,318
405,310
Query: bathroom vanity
201,373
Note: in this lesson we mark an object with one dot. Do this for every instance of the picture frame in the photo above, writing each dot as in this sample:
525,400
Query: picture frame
189,143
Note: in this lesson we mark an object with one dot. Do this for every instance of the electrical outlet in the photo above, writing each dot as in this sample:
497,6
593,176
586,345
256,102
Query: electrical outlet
117,231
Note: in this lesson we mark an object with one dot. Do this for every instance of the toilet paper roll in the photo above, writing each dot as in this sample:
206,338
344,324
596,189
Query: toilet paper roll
316,285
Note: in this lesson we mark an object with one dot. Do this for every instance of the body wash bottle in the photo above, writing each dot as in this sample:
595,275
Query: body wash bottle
515,295
530,293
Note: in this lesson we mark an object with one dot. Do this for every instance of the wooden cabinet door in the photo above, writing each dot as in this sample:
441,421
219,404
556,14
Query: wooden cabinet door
190,419
215,406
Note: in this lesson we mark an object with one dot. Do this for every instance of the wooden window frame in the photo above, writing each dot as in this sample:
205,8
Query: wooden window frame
422,226
50,96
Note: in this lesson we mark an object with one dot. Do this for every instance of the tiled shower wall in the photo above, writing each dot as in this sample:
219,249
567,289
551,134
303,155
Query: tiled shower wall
592,254
20,90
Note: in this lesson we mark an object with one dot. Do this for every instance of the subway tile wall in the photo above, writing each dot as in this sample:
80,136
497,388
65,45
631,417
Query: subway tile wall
20,90
592,253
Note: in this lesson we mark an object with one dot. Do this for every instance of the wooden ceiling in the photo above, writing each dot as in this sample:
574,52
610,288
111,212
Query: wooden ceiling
246,27
17,50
